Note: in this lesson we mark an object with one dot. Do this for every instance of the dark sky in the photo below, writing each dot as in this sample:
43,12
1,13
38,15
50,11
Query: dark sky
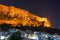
43,8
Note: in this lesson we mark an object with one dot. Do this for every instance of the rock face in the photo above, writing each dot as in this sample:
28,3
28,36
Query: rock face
16,16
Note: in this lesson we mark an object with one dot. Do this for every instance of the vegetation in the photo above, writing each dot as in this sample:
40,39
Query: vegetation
15,36
49,38
6,27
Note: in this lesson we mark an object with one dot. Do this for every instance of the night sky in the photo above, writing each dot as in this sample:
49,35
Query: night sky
43,8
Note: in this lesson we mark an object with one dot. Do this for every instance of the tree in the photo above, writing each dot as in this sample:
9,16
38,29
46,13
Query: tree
15,36
49,38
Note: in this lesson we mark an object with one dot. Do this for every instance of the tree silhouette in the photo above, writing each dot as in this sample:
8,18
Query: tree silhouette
15,36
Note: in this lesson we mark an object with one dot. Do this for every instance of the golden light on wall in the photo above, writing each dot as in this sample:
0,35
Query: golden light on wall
16,16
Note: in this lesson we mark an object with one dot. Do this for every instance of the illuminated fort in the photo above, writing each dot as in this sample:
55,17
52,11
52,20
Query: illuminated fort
16,16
